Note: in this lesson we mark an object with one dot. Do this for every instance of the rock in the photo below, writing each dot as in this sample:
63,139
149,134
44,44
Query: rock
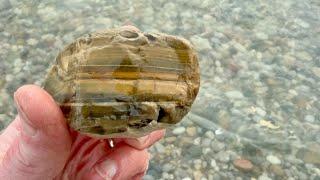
179,130
273,159
262,36
203,122
159,147
194,151
223,156
191,131
187,178
167,167
264,177
234,94
243,164
170,139
277,170
309,118
310,154
217,146
32,42
209,134
197,164
213,164
5,4
303,55
148,177
260,111
302,23
316,71
200,43
197,175
206,142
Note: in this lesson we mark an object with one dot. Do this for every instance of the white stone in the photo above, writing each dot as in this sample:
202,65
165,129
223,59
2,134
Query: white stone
304,56
316,71
32,42
187,178
302,23
273,159
179,130
234,94
197,141
264,177
200,43
217,79
262,36
260,111
309,118
210,134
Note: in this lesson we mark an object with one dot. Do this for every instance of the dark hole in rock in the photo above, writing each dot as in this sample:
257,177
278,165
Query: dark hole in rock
162,114
150,37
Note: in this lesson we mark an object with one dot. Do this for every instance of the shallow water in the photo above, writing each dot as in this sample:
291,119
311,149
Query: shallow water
260,78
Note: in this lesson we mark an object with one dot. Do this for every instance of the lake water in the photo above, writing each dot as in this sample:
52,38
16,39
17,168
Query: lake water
257,114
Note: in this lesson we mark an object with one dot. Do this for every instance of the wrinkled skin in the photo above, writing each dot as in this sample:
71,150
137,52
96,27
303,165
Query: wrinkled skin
39,145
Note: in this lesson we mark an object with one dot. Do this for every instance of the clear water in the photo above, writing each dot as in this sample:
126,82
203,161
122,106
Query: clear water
260,77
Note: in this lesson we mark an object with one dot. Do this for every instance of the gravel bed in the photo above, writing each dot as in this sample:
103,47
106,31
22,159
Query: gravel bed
258,111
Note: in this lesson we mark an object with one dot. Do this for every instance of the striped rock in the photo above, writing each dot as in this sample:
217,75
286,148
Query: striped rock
123,82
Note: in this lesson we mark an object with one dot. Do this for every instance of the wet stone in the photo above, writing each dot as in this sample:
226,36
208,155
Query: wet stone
273,159
148,82
243,164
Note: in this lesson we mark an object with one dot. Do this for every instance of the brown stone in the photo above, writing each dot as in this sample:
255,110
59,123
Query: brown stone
243,165
123,82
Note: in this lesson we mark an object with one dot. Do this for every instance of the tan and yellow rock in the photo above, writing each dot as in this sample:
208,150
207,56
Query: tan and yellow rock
124,83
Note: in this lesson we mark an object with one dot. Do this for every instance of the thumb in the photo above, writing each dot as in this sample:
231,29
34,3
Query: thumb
41,149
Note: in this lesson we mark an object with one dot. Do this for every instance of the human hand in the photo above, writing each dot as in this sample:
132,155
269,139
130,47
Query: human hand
39,145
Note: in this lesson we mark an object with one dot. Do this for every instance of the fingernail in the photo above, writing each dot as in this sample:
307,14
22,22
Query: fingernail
25,123
107,169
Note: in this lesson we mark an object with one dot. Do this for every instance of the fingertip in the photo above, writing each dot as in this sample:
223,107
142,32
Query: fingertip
146,141
38,106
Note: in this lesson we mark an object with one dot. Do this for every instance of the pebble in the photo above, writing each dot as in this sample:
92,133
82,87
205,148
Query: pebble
277,71
32,42
243,164
273,159
264,177
179,130
302,55
187,178
309,118
159,147
170,139
223,156
148,177
217,146
260,111
213,164
277,170
203,122
205,142
191,131
316,71
200,43
209,134
167,167
234,94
